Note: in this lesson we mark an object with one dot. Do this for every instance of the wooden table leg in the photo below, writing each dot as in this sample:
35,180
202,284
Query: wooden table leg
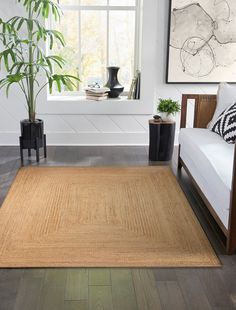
154,141
45,146
167,138
21,150
37,149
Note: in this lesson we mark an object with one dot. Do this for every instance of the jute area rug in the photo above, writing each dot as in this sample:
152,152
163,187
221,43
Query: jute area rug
100,217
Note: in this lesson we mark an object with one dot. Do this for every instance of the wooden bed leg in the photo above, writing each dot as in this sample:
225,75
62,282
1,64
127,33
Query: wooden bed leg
179,164
179,160
231,238
231,247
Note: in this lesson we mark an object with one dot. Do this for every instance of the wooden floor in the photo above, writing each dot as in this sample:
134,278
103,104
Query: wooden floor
118,289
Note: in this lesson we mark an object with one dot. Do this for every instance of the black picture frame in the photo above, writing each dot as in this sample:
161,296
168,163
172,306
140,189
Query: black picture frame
168,58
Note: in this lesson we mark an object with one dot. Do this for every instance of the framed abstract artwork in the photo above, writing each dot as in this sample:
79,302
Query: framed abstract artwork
202,41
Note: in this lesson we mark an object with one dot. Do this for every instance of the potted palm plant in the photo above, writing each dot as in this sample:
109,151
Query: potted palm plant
24,61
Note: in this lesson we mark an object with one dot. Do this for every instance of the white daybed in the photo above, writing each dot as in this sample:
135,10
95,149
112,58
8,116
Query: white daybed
210,162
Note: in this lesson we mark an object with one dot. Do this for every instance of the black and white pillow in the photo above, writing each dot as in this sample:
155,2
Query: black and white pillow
225,125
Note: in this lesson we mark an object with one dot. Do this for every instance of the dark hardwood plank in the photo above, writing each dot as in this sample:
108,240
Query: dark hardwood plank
192,290
223,308
146,291
171,295
55,277
100,298
165,274
9,285
49,161
34,273
9,165
66,156
77,284
76,305
214,287
28,293
99,276
228,276
123,293
51,298
53,290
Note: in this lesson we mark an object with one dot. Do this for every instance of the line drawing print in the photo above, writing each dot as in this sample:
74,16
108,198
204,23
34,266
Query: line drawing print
205,39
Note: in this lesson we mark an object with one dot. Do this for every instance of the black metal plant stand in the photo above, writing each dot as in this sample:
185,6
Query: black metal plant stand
37,146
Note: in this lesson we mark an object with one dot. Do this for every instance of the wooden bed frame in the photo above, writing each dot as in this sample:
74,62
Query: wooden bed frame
205,106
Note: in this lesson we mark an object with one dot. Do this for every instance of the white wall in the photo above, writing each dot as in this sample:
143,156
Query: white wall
123,123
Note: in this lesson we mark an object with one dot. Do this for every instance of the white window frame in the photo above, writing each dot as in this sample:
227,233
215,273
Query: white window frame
136,8
151,63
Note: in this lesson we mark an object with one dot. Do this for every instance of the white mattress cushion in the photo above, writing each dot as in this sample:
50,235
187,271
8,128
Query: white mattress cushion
210,161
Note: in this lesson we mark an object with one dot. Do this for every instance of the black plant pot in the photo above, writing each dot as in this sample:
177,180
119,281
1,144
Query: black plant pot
115,87
32,132
32,137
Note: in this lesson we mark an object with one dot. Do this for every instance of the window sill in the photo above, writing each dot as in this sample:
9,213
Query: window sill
82,99
72,105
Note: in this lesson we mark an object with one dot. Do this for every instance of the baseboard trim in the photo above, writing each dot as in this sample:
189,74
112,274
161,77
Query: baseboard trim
83,139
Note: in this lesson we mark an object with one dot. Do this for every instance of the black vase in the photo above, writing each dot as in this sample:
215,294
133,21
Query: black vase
30,131
115,88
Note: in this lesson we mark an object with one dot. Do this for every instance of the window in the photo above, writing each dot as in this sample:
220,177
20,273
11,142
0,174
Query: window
99,33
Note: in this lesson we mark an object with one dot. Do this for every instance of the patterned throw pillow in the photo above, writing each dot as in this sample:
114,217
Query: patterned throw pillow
225,125
226,95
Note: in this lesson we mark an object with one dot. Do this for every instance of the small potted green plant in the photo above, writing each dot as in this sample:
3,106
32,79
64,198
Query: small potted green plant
168,108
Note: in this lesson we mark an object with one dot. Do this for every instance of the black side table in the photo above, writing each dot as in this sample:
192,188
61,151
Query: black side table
161,142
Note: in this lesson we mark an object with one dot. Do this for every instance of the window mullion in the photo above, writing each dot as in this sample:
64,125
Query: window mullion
137,36
108,38
80,41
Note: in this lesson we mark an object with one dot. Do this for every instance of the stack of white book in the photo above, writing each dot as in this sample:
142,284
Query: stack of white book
95,93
